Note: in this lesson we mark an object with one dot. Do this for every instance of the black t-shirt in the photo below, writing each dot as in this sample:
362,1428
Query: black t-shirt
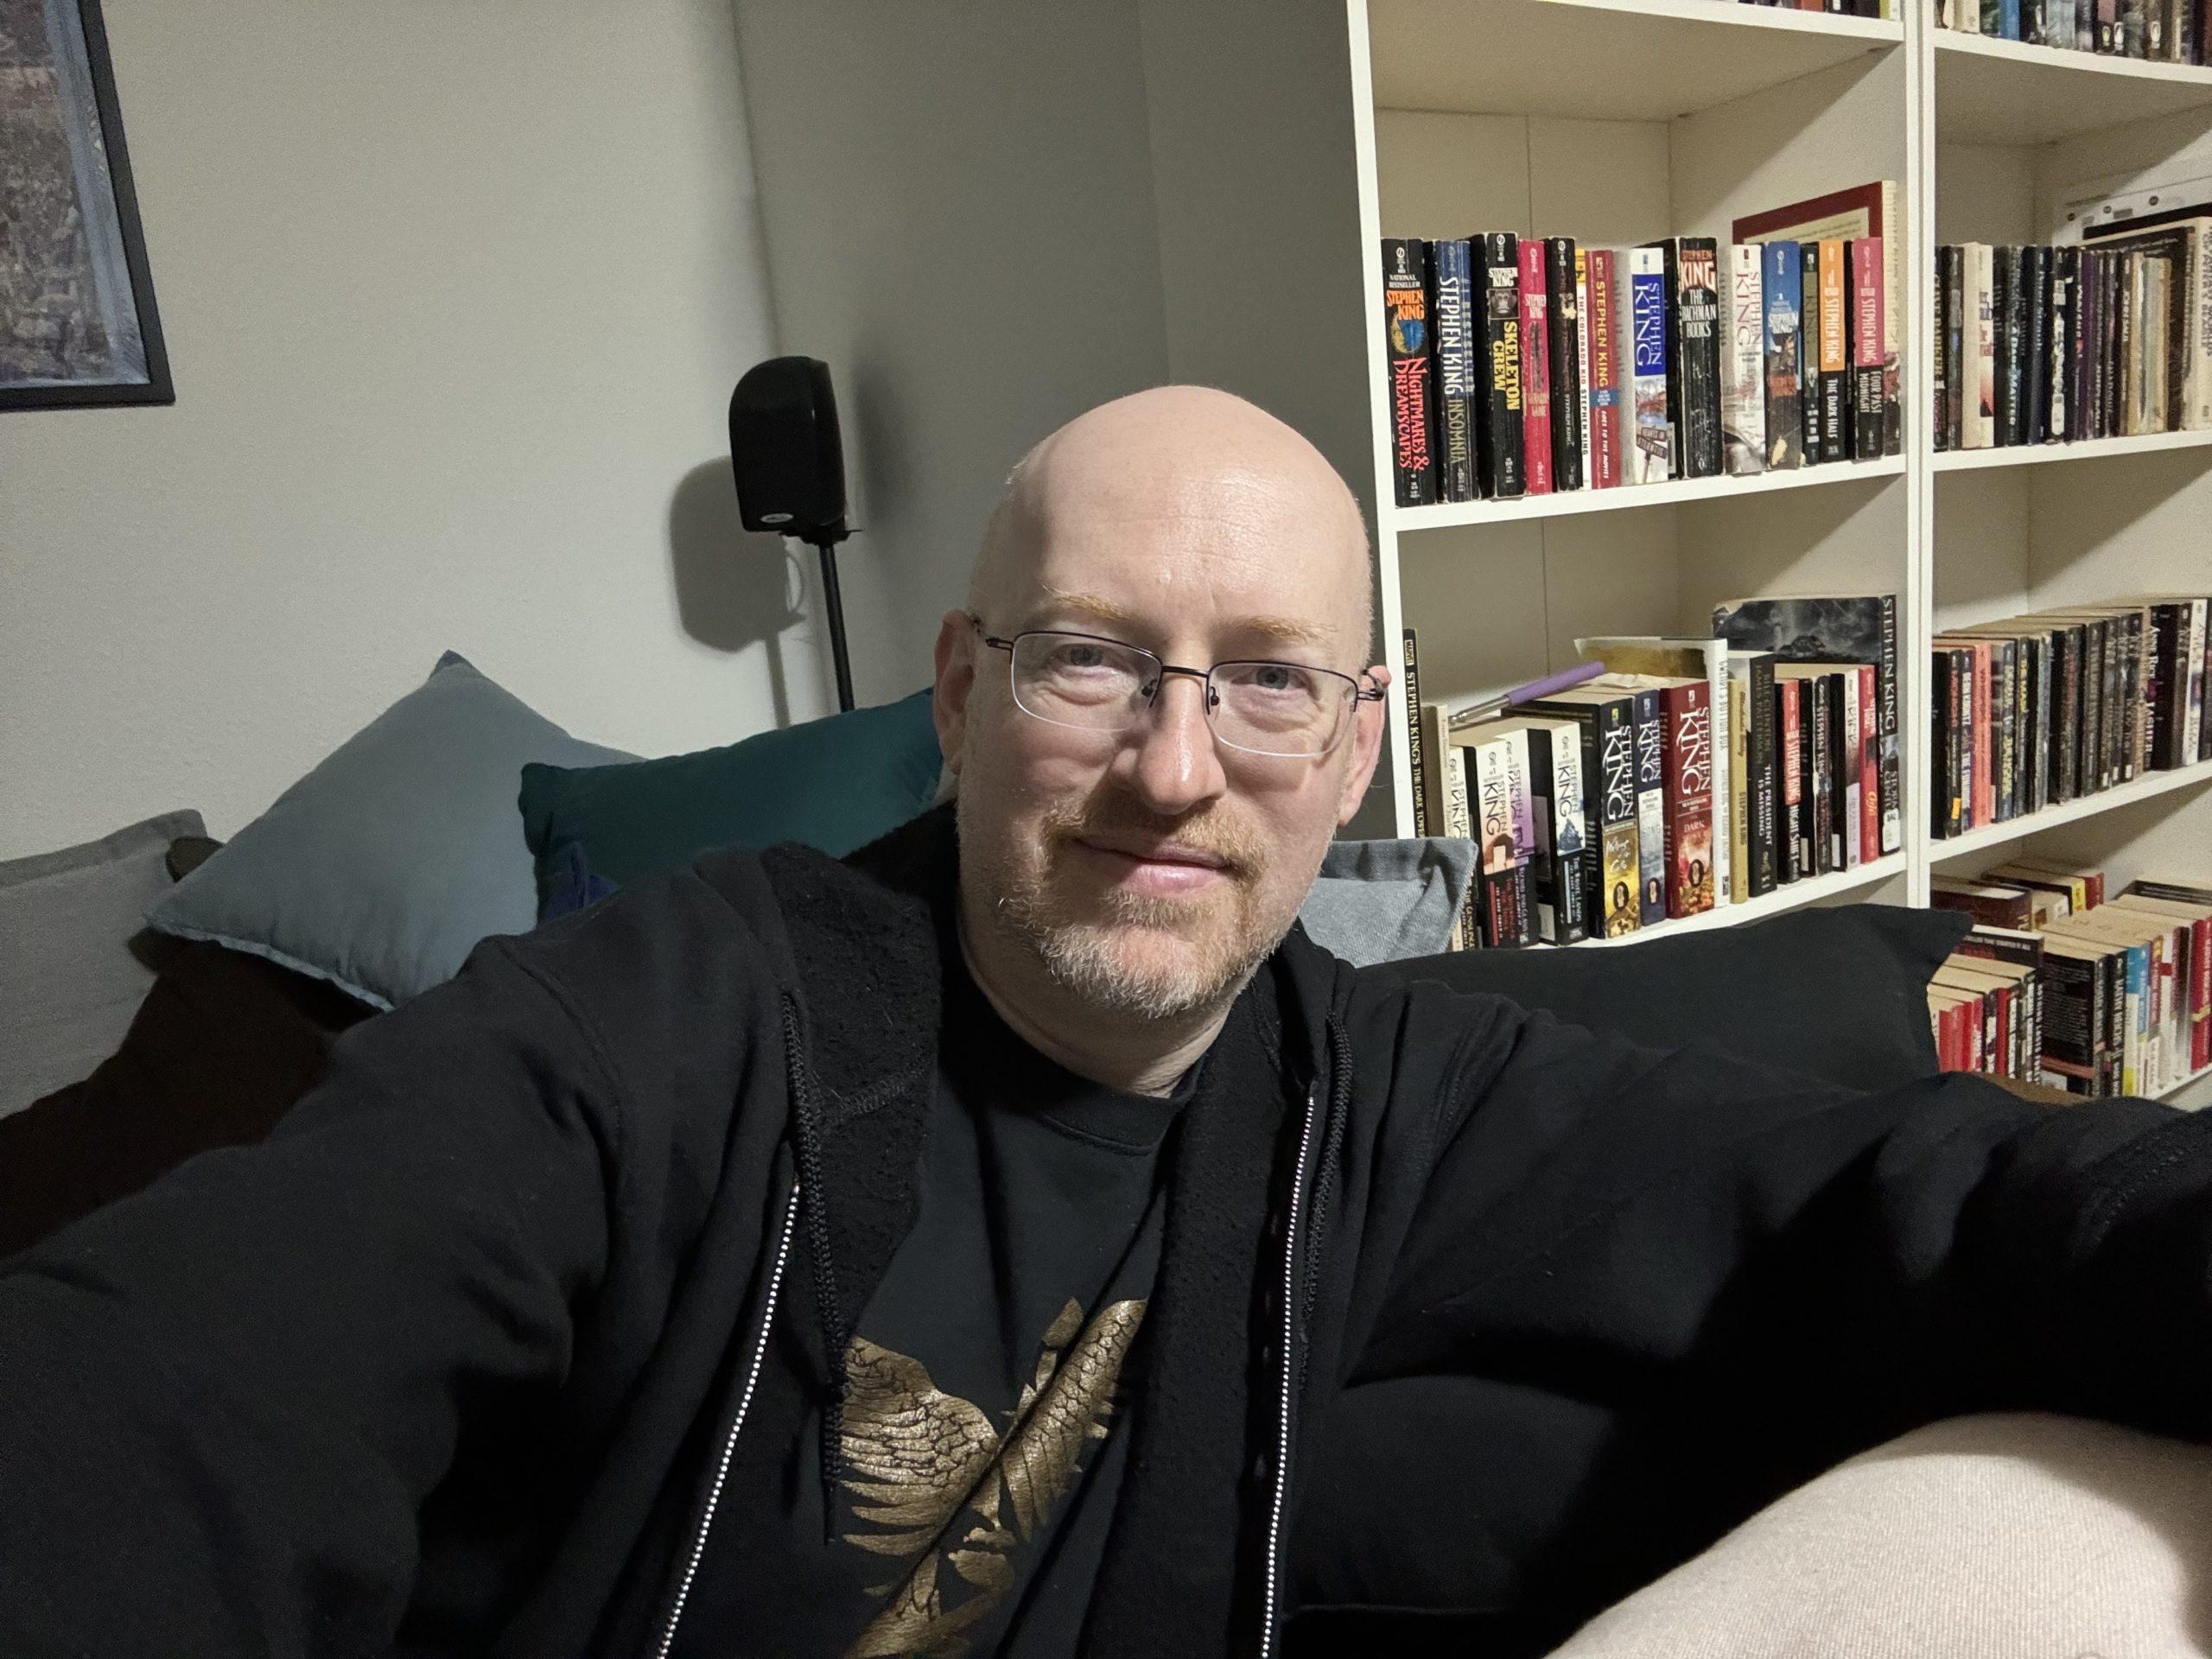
981,1441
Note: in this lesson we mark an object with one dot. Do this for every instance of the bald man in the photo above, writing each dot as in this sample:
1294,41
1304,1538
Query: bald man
1021,1239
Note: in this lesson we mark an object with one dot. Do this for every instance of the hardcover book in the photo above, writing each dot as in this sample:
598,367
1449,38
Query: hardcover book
1565,322
1416,760
1652,459
1451,307
1498,432
1536,450
1685,706
1405,304
1781,300
1808,351
1743,402
1697,349
1835,357
1606,455
1867,415
1944,358
1582,358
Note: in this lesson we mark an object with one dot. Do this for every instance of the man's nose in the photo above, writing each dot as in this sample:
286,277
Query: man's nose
1176,765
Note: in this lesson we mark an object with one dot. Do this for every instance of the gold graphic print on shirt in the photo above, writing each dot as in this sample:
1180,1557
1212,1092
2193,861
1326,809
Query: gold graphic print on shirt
917,1455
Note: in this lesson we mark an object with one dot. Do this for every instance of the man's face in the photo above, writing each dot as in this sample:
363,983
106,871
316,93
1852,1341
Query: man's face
1149,870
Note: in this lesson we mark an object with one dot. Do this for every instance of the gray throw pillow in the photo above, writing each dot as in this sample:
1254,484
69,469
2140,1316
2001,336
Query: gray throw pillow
69,980
381,868
1382,900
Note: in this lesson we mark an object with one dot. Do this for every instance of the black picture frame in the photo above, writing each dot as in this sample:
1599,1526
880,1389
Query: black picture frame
111,216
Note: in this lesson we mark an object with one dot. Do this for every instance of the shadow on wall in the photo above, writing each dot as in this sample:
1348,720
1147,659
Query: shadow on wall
734,587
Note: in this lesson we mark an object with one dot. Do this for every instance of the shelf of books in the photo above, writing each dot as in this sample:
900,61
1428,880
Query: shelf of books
1725,344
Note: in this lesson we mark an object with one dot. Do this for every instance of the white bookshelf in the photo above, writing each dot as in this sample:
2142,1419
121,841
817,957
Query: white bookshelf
1286,153
1621,121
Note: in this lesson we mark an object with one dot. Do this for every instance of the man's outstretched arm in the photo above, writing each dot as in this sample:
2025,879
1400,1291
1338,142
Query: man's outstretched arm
224,1401
1646,1293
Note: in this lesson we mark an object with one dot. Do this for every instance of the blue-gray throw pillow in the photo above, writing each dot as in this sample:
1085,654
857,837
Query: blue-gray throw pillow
381,868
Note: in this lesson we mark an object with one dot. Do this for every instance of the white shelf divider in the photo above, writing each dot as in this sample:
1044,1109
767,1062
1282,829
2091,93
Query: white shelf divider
2147,787
2031,454
1811,890
1562,503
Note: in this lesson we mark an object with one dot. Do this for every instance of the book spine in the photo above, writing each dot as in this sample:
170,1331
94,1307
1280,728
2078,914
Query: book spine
1416,760
1582,378
1697,344
1405,302
1535,372
1890,781
1743,403
1870,765
1942,362
1835,367
1606,454
1555,762
1451,284
2035,370
1865,261
1957,332
1981,374
1892,240
2081,416
1687,716
1781,303
1502,829
1650,808
1797,826
2057,367
1942,748
1761,744
1652,460
2013,347
1739,802
1498,433
1459,822
1827,724
2108,26
1808,349
2073,1021
1565,324
2126,376
2199,328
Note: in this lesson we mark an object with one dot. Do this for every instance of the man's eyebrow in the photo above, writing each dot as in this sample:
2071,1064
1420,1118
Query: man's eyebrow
1277,630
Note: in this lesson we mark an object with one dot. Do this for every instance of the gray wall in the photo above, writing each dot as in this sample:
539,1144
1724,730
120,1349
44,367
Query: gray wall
454,293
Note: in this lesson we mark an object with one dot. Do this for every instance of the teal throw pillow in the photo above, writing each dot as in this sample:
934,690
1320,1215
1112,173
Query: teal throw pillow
835,783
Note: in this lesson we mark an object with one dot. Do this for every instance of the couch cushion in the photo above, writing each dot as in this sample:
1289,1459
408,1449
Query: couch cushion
381,868
69,978
1381,900
1990,1537
833,784
219,1049
1838,992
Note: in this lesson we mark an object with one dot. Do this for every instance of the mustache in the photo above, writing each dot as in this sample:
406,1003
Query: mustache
1213,833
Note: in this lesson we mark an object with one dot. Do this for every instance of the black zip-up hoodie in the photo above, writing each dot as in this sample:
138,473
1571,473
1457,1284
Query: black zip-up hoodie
1467,1322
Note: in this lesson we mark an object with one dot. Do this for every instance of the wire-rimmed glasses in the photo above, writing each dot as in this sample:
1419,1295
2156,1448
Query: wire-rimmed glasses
1092,684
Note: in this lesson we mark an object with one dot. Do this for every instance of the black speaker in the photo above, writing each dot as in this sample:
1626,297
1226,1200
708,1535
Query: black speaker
785,450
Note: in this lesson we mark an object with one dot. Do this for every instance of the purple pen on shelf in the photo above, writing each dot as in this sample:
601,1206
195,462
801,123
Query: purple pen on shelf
1475,713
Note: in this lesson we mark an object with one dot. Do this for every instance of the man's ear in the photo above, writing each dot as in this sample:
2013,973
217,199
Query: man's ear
956,677
1366,746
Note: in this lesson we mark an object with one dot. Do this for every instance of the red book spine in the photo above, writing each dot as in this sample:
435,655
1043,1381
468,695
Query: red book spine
1687,718
1951,1046
1790,790
2000,1063
1605,454
1870,769
1985,732
1535,370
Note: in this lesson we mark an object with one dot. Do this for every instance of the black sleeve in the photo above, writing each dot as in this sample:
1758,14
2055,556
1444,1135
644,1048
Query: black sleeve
224,1400
1647,1293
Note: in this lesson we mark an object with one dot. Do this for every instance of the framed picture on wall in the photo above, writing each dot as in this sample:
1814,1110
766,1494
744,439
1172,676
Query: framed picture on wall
77,318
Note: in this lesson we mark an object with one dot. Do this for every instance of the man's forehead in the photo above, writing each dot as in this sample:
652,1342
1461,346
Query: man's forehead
1051,602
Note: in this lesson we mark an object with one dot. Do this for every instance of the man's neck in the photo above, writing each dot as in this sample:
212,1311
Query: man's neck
1140,1057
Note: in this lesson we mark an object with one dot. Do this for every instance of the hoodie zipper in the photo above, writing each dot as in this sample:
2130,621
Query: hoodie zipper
1289,1343
737,1423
